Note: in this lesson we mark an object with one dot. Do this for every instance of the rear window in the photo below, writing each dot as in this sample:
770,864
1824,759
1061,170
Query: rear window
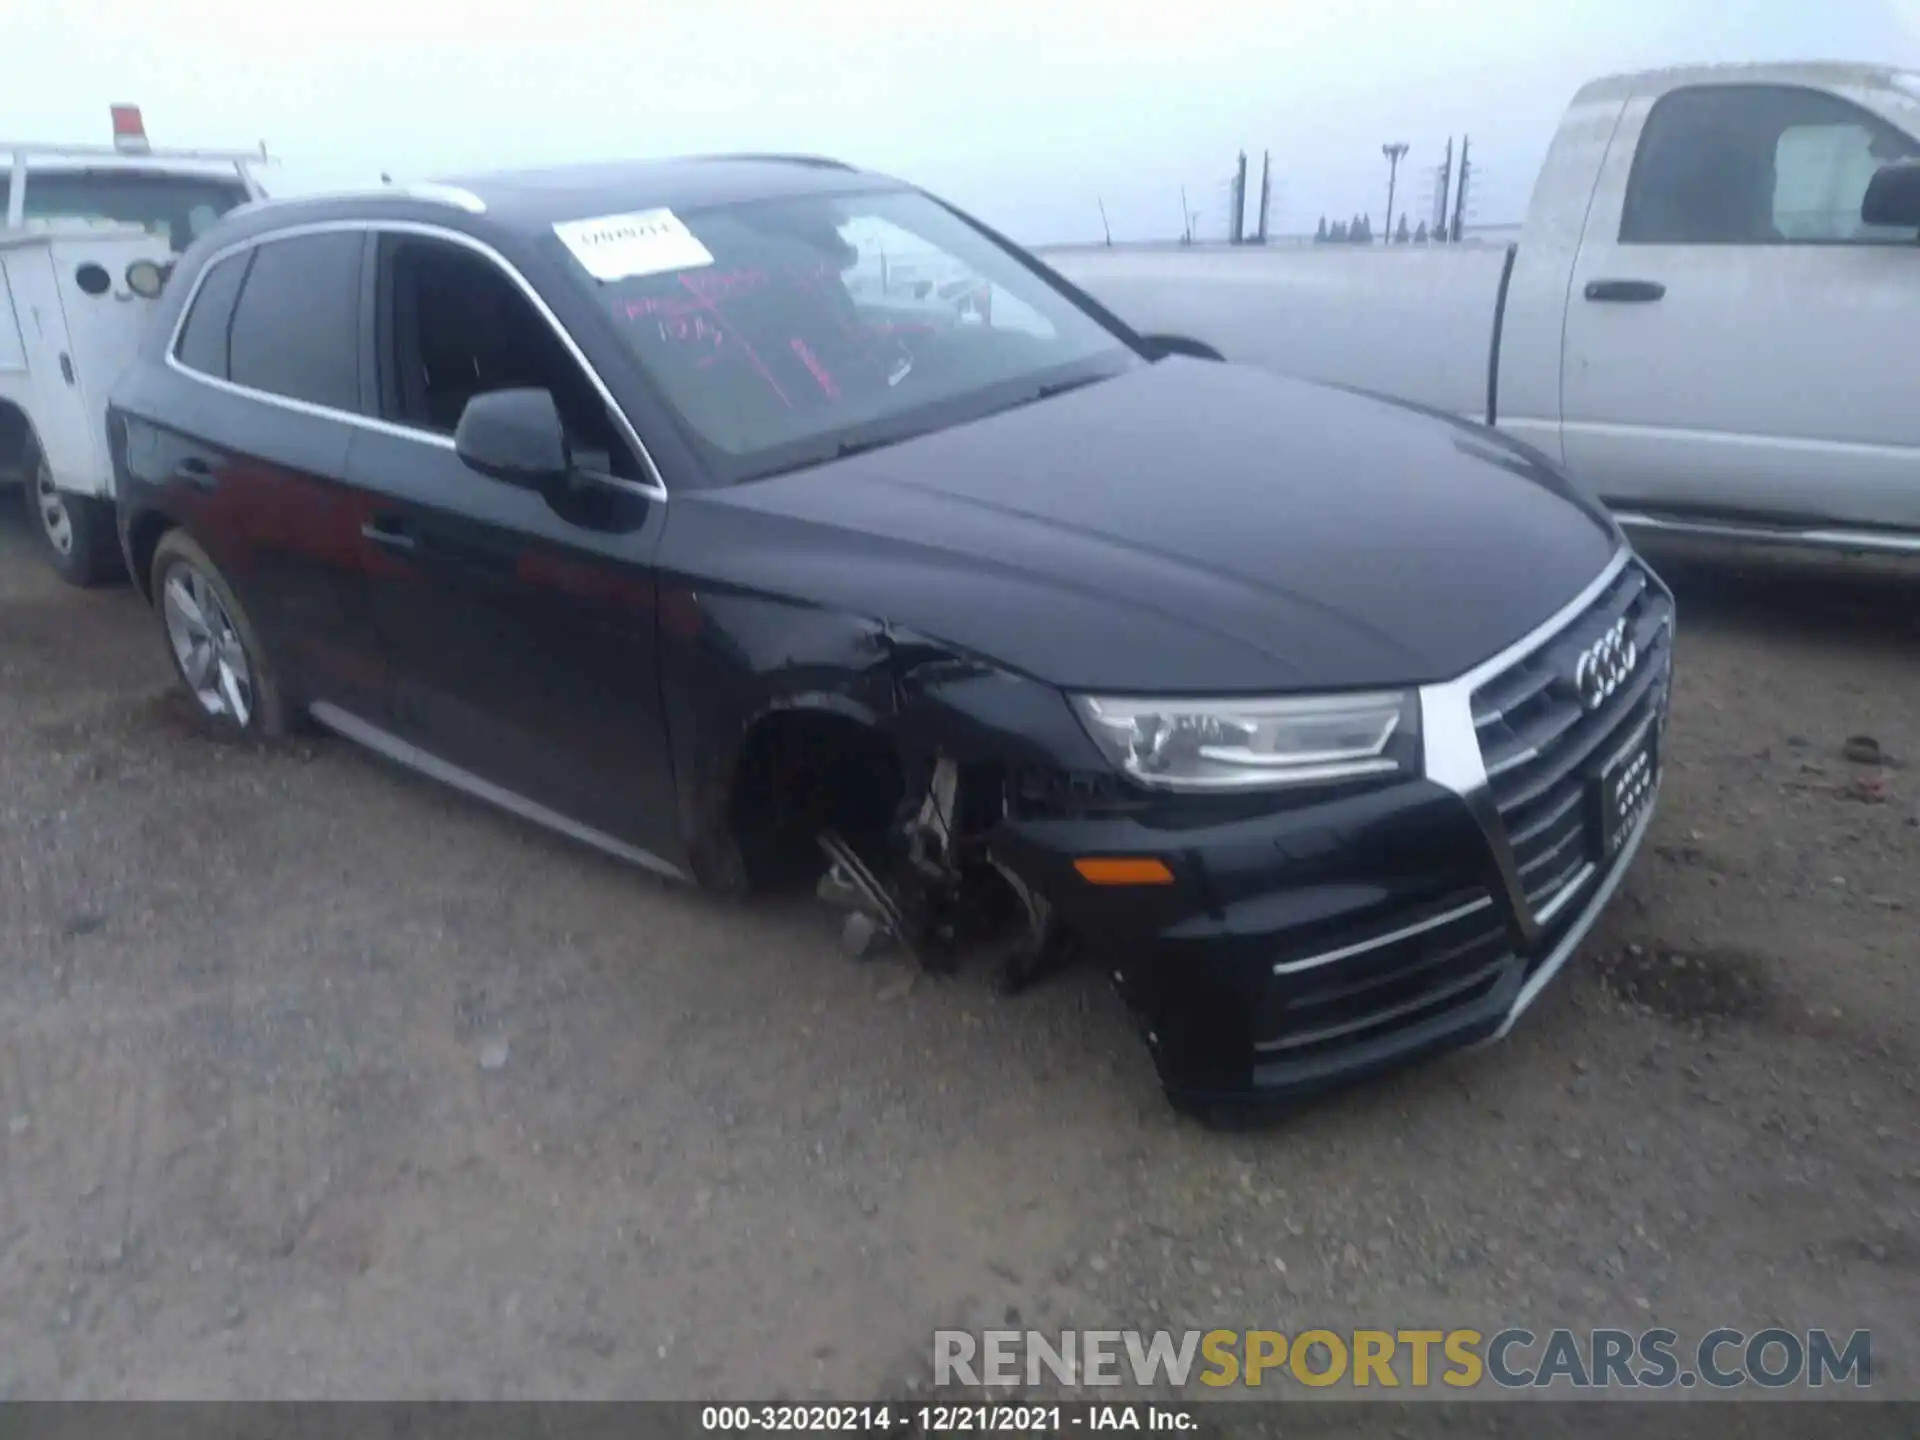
296,329
783,330
179,207
203,340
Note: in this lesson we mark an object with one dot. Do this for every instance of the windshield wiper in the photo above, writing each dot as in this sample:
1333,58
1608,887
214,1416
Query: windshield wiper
1047,392
848,448
839,452
1060,387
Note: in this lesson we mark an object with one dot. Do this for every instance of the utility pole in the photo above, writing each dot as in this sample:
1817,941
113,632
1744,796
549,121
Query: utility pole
1105,228
1442,193
1393,152
1237,221
1266,191
1460,192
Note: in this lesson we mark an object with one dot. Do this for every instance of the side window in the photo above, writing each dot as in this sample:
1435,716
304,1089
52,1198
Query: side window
203,339
1757,165
453,325
296,330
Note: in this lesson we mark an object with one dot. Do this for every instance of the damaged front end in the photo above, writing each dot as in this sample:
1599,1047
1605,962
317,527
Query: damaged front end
901,779
930,880
933,886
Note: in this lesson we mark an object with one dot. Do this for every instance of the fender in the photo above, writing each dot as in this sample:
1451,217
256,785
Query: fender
732,661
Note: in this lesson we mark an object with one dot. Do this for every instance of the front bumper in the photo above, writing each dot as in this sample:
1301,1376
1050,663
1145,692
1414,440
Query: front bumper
1307,947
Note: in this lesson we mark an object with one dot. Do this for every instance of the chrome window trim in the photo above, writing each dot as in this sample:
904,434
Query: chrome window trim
654,489
1450,744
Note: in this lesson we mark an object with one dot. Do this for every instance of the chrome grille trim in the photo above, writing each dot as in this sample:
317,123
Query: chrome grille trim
1392,937
1451,743
1546,913
1433,999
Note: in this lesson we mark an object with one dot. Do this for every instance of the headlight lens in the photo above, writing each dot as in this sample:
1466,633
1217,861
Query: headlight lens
1247,744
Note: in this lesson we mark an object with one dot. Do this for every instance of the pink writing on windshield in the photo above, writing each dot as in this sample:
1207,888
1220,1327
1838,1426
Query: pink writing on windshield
815,368
708,304
714,286
697,329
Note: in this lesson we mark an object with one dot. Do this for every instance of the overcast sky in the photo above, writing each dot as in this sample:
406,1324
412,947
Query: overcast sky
1028,112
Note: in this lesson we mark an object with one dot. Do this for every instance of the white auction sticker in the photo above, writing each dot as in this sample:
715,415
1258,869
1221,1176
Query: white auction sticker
618,247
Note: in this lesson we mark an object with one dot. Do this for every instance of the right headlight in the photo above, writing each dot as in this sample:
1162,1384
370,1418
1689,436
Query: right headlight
1248,744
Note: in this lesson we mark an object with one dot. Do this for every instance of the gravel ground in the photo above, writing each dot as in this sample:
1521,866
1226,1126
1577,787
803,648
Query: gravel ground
318,1080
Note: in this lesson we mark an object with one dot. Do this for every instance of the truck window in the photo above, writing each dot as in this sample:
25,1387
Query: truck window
203,339
1757,165
296,328
179,207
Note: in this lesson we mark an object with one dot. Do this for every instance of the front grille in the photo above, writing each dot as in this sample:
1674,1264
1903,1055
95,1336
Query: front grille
1398,972
1541,746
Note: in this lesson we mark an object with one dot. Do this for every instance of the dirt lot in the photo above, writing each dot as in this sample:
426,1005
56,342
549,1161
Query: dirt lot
318,1080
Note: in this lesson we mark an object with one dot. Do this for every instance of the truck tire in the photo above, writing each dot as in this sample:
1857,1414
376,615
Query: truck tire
76,531
216,651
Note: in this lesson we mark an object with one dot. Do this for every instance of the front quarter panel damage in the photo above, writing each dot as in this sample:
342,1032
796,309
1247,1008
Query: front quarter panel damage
734,661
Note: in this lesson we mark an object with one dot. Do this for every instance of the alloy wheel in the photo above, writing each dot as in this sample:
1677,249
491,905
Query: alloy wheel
207,646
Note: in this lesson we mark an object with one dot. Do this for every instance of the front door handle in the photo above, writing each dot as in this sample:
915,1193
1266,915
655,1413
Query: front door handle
390,535
1627,292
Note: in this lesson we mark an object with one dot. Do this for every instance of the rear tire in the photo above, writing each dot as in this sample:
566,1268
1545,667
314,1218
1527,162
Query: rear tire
76,532
216,652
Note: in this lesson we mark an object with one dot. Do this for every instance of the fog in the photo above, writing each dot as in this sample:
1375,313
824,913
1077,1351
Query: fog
1033,115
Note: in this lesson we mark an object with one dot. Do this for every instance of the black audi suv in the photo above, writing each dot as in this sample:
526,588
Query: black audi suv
759,517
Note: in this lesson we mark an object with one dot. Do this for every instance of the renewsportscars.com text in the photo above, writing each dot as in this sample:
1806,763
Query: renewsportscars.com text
1510,1359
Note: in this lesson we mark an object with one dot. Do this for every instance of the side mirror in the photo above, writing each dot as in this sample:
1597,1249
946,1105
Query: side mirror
1159,347
1893,196
514,436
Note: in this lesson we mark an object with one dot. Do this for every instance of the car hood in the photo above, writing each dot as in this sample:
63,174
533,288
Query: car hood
1185,526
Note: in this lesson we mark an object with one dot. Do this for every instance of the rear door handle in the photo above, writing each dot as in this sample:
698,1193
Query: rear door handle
1627,292
390,535
197,472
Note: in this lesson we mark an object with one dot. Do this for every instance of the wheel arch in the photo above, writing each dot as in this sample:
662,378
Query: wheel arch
766,685
19,441
143,533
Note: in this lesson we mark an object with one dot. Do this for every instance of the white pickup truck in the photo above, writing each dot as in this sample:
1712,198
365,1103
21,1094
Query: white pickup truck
89,237
1710,319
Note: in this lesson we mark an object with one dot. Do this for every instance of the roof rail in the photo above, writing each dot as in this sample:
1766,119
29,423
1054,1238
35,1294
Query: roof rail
435,192
430,193
819,162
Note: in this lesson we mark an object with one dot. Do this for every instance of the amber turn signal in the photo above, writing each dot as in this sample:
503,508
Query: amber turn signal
1123,872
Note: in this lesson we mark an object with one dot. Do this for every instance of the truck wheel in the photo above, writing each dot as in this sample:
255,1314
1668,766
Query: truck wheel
215,649
78,530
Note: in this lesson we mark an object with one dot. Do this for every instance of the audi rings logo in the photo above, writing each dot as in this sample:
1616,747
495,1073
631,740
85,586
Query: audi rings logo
1605,666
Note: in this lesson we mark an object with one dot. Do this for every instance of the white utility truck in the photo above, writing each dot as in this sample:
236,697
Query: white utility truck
90,236
1709,319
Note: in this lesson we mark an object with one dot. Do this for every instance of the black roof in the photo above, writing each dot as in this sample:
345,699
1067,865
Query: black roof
575,192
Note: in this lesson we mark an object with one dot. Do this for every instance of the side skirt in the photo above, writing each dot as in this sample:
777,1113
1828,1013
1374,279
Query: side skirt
352,727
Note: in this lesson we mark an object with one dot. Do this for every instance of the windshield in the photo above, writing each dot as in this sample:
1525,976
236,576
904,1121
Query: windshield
788,331
179,207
